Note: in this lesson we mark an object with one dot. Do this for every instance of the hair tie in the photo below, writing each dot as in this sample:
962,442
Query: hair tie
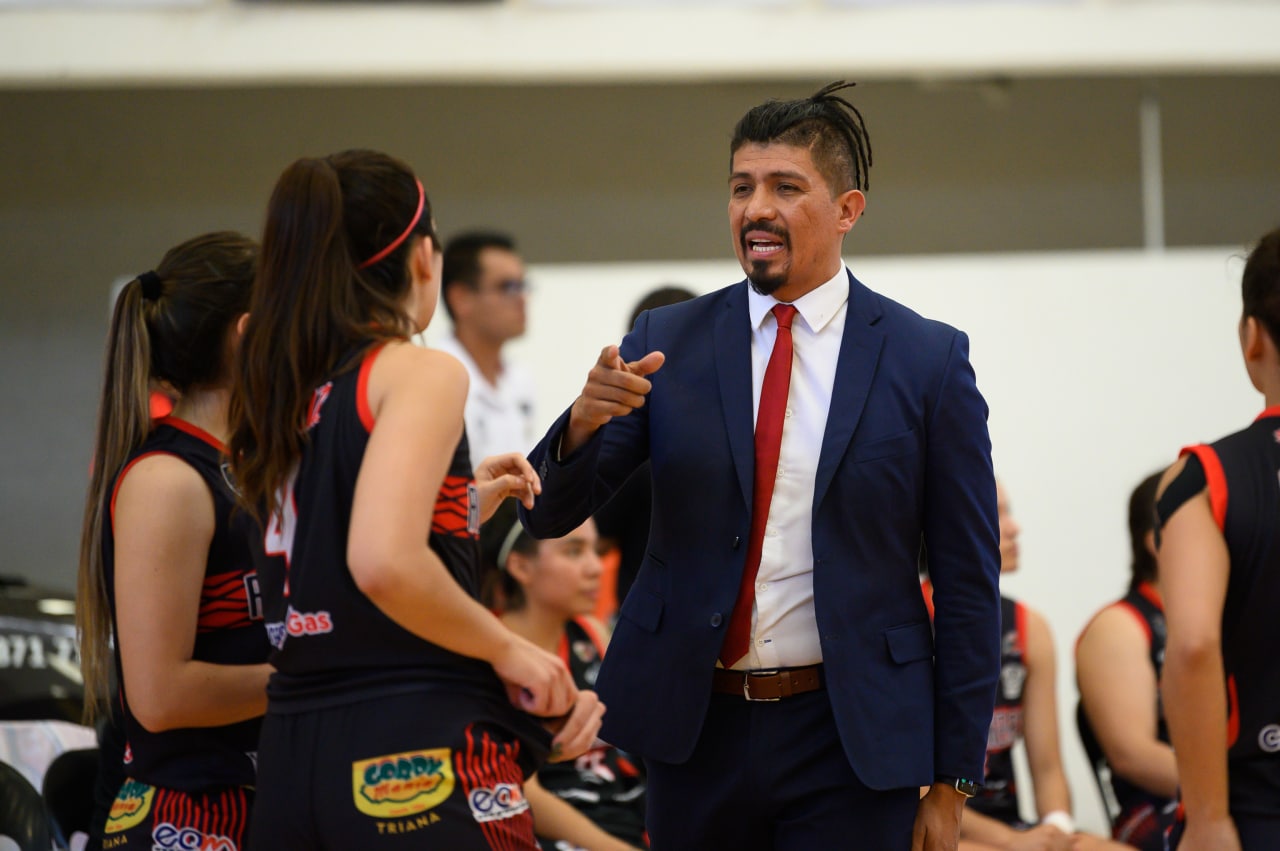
395,243
152,289
509,544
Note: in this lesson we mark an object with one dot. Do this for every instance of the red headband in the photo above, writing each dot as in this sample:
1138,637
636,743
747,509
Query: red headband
395,243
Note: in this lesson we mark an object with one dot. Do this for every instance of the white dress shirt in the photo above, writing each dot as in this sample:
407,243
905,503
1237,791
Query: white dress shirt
499,417
784,629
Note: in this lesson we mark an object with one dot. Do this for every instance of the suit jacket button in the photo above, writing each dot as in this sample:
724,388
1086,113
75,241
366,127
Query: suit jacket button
716,619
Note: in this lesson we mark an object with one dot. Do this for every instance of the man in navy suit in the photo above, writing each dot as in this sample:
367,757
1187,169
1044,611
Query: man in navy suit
837,703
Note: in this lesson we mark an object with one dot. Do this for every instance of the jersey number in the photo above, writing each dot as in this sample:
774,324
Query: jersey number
282,526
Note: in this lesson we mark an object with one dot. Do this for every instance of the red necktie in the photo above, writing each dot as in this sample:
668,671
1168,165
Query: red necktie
769,420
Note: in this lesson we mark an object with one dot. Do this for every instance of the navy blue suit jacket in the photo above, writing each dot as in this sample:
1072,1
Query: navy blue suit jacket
905,457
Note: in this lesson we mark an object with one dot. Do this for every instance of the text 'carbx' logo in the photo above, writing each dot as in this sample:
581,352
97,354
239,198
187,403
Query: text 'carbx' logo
131,806
402,784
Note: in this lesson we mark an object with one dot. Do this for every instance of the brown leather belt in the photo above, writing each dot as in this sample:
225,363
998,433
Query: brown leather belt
767,685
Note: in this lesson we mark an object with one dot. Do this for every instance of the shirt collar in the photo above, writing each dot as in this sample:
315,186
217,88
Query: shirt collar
816,307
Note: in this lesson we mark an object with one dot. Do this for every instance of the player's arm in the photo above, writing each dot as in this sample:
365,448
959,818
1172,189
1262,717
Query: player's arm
417,396
163,522
1194,567
1120,693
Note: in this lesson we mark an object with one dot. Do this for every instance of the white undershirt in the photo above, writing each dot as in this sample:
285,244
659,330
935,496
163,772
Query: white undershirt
784,631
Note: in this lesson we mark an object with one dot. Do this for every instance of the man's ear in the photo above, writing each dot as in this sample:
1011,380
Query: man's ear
241,324
852,204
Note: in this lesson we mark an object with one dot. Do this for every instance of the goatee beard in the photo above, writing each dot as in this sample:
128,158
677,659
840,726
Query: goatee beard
762,281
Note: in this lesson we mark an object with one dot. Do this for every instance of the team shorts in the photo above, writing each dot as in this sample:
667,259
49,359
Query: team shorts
421,770
156,819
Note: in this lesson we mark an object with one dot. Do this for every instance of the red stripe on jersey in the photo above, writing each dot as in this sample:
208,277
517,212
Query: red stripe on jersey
362,388
1216,478
193,430
1233,712
452,508
1146,589
926,588
1020,619
589,627
1142,621
224,603
485,765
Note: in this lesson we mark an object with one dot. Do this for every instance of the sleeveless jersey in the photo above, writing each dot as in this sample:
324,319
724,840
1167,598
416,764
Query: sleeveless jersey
602,783
228,630
998,797
331,644
1136,808
1241,472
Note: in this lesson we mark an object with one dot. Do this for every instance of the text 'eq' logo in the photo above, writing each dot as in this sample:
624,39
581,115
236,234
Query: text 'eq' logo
402,784
502,801
168,837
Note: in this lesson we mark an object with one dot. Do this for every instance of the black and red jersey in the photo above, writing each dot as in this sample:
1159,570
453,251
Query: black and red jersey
1137,812
998,796
331,644
228,631
604,784
1242,474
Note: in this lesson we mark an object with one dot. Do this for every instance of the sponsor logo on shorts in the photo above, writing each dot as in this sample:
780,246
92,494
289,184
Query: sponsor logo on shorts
505,800
131,806
168,837
403,784
1269,738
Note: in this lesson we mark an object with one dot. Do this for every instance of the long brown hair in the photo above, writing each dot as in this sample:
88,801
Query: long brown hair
168,326
317,300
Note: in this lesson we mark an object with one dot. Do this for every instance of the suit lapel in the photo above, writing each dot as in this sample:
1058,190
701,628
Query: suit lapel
732,337
859,356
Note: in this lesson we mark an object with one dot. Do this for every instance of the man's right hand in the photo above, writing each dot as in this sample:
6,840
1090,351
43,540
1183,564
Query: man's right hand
614,388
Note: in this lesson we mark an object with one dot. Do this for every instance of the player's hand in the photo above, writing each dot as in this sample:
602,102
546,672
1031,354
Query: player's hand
577,732
614,388
537,681
501,476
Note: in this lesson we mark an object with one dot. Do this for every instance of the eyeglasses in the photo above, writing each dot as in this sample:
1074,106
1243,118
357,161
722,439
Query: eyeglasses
510,288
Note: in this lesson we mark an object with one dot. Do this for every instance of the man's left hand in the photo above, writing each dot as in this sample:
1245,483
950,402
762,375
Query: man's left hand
937,826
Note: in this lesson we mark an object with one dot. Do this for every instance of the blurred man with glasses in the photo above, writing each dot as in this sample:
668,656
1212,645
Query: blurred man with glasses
485,292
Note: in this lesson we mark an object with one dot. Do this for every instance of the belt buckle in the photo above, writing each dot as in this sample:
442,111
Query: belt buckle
746,685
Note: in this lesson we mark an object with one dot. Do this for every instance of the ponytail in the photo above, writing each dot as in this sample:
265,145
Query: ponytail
333,277
123,423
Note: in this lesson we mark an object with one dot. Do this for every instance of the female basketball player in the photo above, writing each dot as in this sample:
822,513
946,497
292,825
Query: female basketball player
165,566
1219,558
387,714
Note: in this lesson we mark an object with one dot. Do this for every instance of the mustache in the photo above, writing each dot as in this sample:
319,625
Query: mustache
767,227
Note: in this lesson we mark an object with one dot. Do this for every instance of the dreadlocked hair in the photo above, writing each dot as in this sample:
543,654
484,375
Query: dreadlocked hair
825,124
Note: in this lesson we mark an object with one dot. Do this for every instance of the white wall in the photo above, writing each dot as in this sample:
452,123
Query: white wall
1097,366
